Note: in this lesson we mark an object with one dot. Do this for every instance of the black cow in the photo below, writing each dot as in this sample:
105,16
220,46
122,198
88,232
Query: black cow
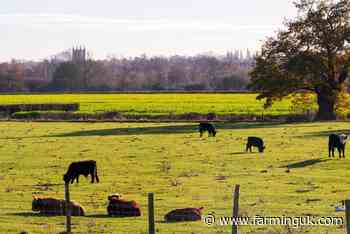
256,142
337,141
85,168
203,127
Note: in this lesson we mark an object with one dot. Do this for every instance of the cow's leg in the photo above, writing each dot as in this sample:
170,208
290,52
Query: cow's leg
329,151
200,133
246,148
77,179
92,177
339,151
344,151
97,179
333,152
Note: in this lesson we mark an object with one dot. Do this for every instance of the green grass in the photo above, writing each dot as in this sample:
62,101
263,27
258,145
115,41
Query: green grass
179,167
158,104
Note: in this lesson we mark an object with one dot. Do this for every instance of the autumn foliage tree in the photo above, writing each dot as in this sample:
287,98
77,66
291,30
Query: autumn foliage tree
310,54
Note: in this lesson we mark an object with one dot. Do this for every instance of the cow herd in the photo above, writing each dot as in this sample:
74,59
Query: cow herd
337,141
124,208
117,207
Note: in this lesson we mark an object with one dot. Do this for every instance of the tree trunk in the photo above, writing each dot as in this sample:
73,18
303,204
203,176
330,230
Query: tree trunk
326,105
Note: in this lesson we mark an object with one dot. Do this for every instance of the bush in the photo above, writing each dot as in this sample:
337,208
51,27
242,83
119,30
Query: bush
211,116
26,115
10,109
342,106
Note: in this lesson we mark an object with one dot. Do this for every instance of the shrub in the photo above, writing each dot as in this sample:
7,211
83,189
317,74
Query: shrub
26,115
10,109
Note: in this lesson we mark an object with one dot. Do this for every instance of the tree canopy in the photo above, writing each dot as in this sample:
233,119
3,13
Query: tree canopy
311,54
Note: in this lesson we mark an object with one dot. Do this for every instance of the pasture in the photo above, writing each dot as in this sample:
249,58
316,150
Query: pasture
159,104
182,170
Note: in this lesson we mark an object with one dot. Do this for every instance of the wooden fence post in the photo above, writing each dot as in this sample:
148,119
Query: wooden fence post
235,209
151,225
68,208
347,215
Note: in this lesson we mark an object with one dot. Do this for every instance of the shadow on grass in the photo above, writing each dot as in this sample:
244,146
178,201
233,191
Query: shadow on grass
327,133
239,153
165,129
176,129
305,163
246,153
248,125
175,222
106,216
32,214
35,214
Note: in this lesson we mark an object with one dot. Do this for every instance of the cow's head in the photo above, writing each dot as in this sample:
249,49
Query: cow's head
36,204
261,149
116,196
343,138
66,178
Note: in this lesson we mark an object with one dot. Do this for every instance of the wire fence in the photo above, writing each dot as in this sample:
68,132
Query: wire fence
152,220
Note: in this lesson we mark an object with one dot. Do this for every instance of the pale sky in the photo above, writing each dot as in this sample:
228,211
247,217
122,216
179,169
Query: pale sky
36,29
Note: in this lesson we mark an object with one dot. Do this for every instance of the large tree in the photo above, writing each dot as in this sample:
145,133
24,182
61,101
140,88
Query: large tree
310,54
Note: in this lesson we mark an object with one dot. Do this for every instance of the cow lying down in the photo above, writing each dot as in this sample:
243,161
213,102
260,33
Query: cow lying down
122,208
185,214
52,206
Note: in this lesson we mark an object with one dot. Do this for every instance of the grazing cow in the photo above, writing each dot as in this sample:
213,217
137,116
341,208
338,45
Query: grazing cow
337,141
186,214
207,127
122,208
52,206
85,168
256,142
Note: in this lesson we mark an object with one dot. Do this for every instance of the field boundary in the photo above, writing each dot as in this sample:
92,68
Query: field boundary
119,117
134,92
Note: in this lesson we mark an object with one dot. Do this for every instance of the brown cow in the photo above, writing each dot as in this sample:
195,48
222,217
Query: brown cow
122,208
52,206
186,214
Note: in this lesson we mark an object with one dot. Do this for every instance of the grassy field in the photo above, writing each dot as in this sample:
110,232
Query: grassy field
158,104
179,167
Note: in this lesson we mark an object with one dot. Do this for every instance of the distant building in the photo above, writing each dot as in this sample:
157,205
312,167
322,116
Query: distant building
79,55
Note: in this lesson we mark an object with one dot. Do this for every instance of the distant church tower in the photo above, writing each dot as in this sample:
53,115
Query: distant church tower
78,55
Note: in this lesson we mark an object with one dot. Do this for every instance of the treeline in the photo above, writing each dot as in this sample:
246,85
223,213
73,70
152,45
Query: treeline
196,73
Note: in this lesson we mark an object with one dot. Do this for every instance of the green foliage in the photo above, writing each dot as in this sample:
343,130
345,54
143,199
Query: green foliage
180,168
26,114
